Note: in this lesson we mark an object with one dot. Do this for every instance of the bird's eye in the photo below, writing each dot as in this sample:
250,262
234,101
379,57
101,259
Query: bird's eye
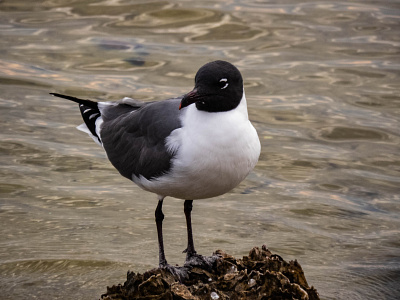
223,83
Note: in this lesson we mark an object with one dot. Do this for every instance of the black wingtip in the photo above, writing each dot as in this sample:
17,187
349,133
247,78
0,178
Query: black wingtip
88,103
57,95
61,96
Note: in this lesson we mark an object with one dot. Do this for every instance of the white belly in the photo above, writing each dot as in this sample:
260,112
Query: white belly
214,153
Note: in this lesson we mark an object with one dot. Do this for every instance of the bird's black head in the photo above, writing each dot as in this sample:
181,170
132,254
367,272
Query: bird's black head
218,87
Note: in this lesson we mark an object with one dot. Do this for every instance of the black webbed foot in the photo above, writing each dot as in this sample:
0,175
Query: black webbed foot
200,261
180,273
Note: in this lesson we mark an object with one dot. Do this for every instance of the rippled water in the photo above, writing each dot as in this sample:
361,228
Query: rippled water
322,82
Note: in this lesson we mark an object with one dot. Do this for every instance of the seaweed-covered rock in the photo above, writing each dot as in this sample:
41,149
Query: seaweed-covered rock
260,275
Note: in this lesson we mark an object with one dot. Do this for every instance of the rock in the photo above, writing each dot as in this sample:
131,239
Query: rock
260,275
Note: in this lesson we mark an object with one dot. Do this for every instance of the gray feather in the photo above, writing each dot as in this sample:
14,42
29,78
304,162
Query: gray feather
133,135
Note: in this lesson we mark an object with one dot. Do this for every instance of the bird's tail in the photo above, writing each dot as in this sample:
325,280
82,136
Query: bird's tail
91,116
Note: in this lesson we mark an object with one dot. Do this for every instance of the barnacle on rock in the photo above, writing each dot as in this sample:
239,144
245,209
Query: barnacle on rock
260,275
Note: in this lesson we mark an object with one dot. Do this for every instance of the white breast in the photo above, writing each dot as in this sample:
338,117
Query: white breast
214,153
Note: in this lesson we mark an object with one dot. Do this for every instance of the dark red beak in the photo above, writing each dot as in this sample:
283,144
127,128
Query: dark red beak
189,98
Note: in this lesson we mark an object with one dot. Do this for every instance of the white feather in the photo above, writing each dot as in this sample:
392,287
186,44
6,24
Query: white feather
214,153
85,129
98,123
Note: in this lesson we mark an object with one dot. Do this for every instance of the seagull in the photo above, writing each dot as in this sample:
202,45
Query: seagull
200,145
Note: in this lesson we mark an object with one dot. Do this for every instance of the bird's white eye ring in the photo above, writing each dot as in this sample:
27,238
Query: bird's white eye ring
224,80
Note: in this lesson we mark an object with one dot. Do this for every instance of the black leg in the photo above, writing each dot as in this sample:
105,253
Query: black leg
188,211
159,219
180,273
192,258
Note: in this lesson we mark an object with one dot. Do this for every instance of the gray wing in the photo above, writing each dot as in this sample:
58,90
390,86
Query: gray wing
134,136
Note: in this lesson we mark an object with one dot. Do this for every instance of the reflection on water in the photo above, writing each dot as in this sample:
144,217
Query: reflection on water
321,80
